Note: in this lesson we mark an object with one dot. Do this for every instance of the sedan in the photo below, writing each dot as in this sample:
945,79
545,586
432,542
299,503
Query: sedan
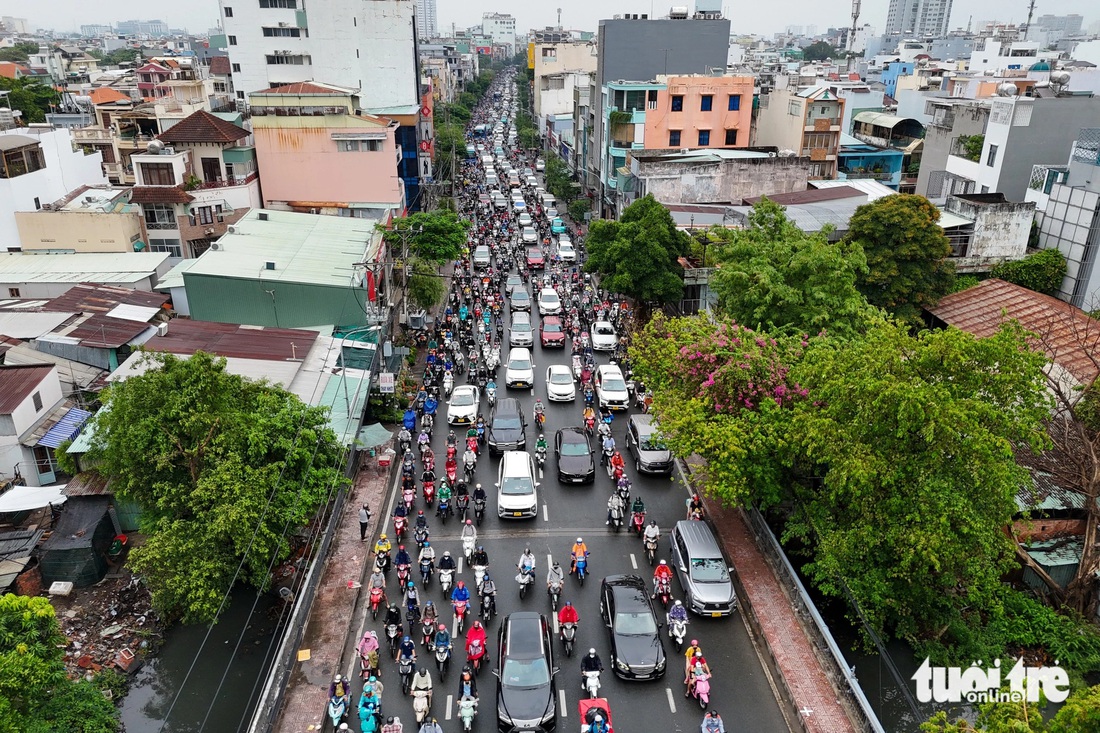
535,260
635,637
463,406
520,300
576,464
540,165
521,333
559,384
528,235
507,427
524,219
482,257
566,252
603,336
551,333
513,282
526,693
519,205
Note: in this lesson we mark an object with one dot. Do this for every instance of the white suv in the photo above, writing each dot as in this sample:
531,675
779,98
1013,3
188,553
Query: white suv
517,490
611,388
520,372
549,302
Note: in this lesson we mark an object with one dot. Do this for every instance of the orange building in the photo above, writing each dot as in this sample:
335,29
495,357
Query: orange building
700,111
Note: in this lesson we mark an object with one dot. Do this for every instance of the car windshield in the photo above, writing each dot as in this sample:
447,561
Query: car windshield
520,295
709,570
521,327
462,399
550,297
635,623
520,364
614,384
525,673
651,441
515,486
574,449
506,423
551,328
605,330
561,378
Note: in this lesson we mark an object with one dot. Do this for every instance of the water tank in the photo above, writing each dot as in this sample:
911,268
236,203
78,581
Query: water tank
154,147
678,12
1006,89
1059,77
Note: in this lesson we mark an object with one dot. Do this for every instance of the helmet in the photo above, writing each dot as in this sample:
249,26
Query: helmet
401,547
713,713
481,548
422,670
470,521
372,679
420,513
337,680
569,603
446,553
526,550
592,652
557,564
427,544
663,562
429,604
461,584
343,726
678,603
540,436
599,718
478,486
653,523
443,627
389,720
411,584
405,638
477,625
580,541
698,653
695,642
382,536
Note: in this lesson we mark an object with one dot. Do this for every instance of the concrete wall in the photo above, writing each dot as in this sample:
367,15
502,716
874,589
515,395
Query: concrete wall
79,231
776,126
969,119
658,122
1053,127
723,181
556,58
25,415
1001,228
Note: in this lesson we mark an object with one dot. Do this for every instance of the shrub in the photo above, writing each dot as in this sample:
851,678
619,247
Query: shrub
1041,272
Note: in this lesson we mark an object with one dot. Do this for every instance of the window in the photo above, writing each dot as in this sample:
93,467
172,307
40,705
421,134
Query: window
37,204
731,137
677,102
171,246
288,60
13,292
651,99
158,174
236,68
734,103
549,53
204,215
44,461
229,12
704,137
794,109
674,138
292,4
992,159
232,40
159,216
282,33
36,398
706,102
240,95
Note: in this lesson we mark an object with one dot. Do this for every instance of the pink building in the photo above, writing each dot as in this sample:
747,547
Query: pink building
700,111
319,152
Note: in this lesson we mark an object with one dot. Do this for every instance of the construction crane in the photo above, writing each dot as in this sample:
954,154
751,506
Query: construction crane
852,31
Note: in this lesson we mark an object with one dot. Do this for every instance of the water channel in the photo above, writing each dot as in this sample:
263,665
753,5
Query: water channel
146,707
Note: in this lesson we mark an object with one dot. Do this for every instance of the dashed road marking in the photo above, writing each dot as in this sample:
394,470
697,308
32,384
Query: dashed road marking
633,561
450,699
545,514
671,699
562,706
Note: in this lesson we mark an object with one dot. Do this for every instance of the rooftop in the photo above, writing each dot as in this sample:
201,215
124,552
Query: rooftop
307,88
220,65
92,199
810,196
872,188
104,332
12,141
107,95
232,340
18,382
110,267
90,297
712,155
159,195
203,127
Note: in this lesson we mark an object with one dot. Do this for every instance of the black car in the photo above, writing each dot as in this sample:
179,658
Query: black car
636,651
507,428
526,696
576,464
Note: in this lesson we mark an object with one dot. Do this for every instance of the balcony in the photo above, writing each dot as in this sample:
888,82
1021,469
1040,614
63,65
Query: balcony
1086,148
962,168
229,182
162,225
92,136
823,124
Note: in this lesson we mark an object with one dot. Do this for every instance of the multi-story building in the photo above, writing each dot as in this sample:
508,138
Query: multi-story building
1068,24
319,153
919,18
15,25
142,28
426,21
559,67
807,122
95,30
583,90
87,220
501,27
947,120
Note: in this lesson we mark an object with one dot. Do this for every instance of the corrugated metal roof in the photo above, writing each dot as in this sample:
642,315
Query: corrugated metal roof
18,382
27,326
174,277
68,371
1053,553
66,428
232,340
949,220
88,483
871,187
810,196
18,543
103,332
880,119
45,423
18,266
1072,336
93,297
137,313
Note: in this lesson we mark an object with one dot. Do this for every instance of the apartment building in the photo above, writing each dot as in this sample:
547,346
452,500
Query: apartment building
918,18
807,122
427,23
559,68
501,27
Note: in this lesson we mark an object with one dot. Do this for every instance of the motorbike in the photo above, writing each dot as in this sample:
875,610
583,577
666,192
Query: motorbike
442,659
577,368
663,591
617,517
402,575
409,420
429,462
377,599
451,470
592,684
468,547
446,580
426,572
408,495
423,441
469,470
526,579
637,522
428,423
427,632
568,637
491,393
540,457
443,510
554,591
467,709
399,524
622,486
650,549
582,568
479,576
448,383
404,442
405,668
700,688
422,702
540,419
337,710
614,472
393,638
474,656
460,608
589,426
479,511
420,534
382,562
429,492
488,607
462,504
677,631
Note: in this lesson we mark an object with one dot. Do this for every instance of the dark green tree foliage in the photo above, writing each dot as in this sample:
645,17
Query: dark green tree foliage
819,51
436,236
1042,272
637,255
906,251
450,140
1079,714
426,287
224,470
32,97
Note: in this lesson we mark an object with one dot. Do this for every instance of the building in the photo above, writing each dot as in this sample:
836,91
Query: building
583,119
986,230
31,408
1069,25
676,177
142,28
88,219
38,166
919,18
559,69
807,122
696,111
95,30
884,147
501,27
291,270
17,26
48,276
426,20
320,153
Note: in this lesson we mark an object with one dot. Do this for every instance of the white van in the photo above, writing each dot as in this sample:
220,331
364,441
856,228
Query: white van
548,201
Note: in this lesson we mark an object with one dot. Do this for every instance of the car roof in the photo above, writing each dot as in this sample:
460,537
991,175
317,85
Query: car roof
523,634
609,369
521,316
573,430
551,291
697,536
508,404
628,587
643,421
553,319
604,323
558,367
518,352
513,459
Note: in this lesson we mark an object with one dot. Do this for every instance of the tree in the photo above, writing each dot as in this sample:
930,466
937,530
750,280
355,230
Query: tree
32,97
528,138
450,140
1041,272
578,208
1080,713
818,51
426,286
912,438
774,276
435,236
637,255
224,470
906,253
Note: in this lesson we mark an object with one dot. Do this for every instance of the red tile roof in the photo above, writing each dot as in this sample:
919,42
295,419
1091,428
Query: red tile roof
159,195
9,70
220,65
1069,336
18,382
203,127
106,95
301,87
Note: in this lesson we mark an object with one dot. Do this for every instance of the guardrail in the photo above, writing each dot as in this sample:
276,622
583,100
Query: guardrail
832,659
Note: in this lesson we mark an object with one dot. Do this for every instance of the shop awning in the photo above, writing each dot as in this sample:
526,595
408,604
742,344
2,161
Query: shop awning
67,428
879,119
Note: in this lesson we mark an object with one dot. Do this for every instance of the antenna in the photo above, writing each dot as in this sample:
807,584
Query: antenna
559,19
852,30
1030,12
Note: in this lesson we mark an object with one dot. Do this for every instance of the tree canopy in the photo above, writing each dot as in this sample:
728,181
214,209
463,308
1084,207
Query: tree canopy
1041,272
774,276
18,52
31,96
819,51
224,470
1080,713
906,251
435,236
637,255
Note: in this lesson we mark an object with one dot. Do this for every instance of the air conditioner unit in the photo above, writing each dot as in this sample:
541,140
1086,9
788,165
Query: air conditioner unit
162,329
168,151
216,247
284,25
233,229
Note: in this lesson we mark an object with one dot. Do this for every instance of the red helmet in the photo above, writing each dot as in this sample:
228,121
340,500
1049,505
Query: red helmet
461,584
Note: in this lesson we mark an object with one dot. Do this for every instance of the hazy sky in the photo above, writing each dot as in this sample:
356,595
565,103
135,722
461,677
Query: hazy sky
748,17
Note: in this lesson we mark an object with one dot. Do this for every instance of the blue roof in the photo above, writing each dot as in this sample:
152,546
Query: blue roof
66,428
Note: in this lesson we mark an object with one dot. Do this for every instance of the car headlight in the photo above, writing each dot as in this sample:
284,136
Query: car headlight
623,666
660,665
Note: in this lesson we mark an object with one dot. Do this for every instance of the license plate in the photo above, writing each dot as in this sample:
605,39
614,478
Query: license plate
716,615
517,514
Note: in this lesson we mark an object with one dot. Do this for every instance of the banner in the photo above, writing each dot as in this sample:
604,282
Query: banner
372,289
386,383
530,55
485,50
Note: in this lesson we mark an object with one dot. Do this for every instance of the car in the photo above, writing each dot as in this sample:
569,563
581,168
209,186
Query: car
519,372
517,490
507,426
526,693
632,629
492,181
535,260
484,199
701,569
532,181
520,300
563,238
513,282
557,226
560,386
520,333
551,212
576,462
529,235
603,336
525,220
519,205
645,443
551,333
462,407
500,202
482,257
540,165
549,302
611,387
566,252
513,181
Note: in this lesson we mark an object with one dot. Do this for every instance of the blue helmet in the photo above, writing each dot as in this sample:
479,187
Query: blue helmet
406,638
412,584
427,544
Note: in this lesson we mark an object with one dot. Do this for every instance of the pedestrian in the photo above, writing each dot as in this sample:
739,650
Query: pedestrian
364,522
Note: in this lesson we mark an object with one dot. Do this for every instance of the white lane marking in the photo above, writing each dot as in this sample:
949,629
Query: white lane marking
671,700
633,561
561,706
460,561
450,699
545,514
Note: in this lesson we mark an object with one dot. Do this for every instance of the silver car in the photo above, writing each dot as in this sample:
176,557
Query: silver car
482,258
702,570
521,333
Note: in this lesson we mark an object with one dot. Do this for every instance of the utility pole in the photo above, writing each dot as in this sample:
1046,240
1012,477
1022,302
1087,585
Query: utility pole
1030,12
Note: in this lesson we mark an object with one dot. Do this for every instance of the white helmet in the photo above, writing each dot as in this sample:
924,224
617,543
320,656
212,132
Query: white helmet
580,541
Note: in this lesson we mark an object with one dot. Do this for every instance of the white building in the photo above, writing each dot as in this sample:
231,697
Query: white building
15,25
501,27
38,166
369,46
920,18
427,25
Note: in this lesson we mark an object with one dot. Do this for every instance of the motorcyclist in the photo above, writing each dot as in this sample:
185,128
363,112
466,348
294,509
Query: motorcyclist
447,562
588,414
677,612
442,637
412,599
430,726
340,688
590,663
712,723
694,504
407,648
421,520
476,634
422,681
608,448
617,461
554,576
526,560
479,556
382,545
469,531
401,510
599,725
469,458
430,615
540,409
662,575
402,556
393,616
377,579
488,592
637,506
579,550
479,493
427,552
568,614
467,684
652,532
444,493
540,444
614,502
460,593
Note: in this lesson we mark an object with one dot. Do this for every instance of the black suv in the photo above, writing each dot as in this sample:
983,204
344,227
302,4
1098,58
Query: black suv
632,628
507,427
526,693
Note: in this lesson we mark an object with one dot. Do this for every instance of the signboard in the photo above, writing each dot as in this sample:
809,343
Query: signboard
530,55
386,382
484,50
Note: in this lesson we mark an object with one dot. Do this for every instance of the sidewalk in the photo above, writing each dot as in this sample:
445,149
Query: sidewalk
769,612
327,630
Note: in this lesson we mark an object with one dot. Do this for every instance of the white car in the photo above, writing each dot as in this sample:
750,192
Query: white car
604,337
525,219
519,205
521,333
559,384
611,388
463,406
529,236
566,252
520,371
551,212
482,257
517,489
549,302
540,165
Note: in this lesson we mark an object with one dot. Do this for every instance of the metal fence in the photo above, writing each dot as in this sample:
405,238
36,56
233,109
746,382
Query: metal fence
832,659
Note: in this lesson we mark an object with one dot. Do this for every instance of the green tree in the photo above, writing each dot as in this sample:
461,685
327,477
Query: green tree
224,470
435,236
906,251
30,96
578,208
819,51
637,255
1041,272
450,140
1080,713
528,138
774,276
426,286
